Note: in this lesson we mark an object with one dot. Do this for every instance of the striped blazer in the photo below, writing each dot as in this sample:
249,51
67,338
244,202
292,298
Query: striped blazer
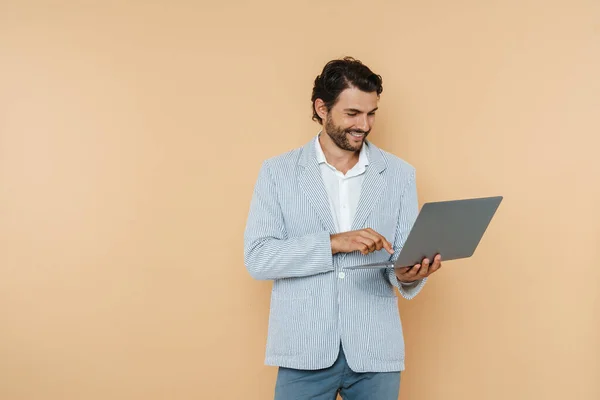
316,305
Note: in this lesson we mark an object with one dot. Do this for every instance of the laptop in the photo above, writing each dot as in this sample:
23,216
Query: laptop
452,228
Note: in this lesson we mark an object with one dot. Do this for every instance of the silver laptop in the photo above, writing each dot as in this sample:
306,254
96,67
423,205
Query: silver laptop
451,228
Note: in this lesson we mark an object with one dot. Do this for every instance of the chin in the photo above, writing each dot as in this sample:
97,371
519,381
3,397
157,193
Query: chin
356,147
356,142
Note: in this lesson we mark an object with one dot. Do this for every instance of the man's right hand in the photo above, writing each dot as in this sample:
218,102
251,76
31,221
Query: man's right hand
365,240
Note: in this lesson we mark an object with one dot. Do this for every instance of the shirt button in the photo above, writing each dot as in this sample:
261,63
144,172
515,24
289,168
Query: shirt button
341,275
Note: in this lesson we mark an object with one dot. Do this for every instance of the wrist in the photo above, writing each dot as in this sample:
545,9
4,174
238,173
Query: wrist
333,242
405,283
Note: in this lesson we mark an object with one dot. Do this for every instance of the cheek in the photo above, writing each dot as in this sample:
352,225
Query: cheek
349,123
343,124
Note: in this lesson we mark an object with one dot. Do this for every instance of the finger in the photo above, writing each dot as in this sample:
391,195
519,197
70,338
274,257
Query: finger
363,248
432,270
358,245
366,244
424,268
388,246
374,236
414,270
437,263
402,274
402,270
384,242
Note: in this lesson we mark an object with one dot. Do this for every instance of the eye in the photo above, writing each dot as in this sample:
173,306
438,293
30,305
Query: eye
351,114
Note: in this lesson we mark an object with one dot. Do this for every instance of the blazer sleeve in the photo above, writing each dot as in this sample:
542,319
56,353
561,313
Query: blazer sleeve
409,209
269,253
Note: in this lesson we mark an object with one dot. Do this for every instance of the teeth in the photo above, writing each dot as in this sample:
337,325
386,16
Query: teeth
357,134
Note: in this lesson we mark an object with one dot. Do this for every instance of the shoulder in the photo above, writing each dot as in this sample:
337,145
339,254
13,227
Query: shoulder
399,175
282,165
395,165
283,160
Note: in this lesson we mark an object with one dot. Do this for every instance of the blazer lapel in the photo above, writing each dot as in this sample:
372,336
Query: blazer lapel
311,182
372,188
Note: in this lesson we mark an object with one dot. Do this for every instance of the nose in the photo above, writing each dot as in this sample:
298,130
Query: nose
363,124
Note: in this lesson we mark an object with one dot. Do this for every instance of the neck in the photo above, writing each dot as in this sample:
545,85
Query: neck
342,160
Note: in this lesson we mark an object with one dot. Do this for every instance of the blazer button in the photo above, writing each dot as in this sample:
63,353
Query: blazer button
342,275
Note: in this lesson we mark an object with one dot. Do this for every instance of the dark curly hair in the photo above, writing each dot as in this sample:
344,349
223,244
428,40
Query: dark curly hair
338,75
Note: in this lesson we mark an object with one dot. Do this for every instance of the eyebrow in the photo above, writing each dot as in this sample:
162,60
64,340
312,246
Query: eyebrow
359,111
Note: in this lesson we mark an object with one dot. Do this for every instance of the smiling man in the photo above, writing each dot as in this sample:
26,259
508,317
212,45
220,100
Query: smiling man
337,201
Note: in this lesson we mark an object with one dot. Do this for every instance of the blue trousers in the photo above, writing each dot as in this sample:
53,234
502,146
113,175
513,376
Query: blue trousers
325,384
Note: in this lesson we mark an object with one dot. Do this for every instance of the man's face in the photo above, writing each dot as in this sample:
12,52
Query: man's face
351,119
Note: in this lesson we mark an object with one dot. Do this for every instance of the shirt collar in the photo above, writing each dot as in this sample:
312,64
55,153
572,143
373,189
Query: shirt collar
363,158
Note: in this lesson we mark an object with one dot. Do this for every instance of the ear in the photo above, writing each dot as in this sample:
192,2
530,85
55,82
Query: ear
321,108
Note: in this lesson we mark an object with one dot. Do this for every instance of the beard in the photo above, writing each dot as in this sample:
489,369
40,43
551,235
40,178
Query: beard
339,135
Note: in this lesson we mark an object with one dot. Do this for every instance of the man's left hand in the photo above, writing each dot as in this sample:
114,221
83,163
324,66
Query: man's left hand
419,271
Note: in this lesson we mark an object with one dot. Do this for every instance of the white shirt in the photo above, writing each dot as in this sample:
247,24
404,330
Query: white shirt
343,190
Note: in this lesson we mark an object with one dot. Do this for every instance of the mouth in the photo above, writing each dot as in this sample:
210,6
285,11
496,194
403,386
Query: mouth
357,135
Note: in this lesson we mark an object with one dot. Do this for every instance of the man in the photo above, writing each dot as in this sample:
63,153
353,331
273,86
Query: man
337,201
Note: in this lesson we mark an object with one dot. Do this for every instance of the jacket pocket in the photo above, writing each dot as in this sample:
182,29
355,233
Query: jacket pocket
293,288
386,338
291,326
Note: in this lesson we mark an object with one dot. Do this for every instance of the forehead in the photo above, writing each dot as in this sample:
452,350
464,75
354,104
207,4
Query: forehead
357,99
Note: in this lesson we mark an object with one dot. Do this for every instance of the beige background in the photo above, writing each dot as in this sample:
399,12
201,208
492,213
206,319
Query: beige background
131,134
